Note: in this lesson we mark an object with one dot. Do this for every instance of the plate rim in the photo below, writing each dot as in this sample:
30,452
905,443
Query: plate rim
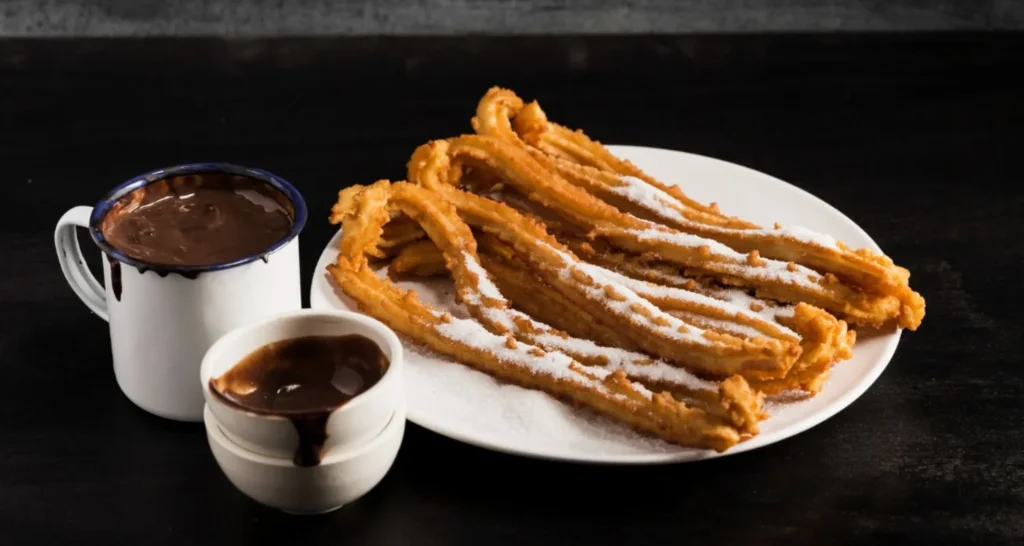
842,402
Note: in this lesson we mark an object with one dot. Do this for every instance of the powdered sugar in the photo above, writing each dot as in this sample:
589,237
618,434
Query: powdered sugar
472,333
646,289
635,365
667,207
688,240
770,270
671,327
485,286
742,299
652,198
805,235
538,361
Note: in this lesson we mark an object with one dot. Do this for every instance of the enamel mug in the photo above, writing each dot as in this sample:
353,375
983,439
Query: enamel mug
163,318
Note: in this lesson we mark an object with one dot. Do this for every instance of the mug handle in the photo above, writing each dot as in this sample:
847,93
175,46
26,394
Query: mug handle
69,253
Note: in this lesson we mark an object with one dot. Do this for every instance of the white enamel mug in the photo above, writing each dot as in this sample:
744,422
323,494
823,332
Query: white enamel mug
164,318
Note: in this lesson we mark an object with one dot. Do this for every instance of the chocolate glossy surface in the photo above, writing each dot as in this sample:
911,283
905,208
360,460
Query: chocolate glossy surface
198,220
303,379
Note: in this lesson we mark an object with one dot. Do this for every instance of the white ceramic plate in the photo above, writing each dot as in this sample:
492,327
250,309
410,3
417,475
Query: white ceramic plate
469,406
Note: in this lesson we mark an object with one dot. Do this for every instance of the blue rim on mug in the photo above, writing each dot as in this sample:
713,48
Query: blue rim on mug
142,180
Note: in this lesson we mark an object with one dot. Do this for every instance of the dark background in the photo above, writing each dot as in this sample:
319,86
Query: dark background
458,17
908,116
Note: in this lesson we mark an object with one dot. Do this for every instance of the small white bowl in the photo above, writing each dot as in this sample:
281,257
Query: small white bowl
354,423
341,477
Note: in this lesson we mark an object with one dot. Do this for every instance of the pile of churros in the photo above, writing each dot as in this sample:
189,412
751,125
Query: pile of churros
585,278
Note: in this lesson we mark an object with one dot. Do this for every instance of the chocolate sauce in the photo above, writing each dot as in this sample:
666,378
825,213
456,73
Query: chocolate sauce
164,271
115,277
303,379
198,220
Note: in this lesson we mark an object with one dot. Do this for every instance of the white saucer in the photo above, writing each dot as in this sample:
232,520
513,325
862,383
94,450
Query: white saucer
469,406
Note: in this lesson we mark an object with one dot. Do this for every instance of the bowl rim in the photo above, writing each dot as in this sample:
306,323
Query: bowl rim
391,374
214,432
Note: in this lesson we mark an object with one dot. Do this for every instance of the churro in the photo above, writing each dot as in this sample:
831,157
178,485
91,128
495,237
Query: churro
492,342
586,278
810,256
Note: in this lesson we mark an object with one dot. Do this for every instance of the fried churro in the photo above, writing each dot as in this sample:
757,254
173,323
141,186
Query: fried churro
441,162
492,342
586,278
809,255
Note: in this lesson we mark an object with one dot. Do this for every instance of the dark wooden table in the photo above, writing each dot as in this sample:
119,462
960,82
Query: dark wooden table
918,139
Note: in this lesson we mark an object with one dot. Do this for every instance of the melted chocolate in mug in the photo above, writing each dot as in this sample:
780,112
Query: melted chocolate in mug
303,379
198,220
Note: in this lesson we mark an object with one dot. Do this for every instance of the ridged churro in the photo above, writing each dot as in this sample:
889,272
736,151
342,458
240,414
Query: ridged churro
441,162
809,256
586,278
493,341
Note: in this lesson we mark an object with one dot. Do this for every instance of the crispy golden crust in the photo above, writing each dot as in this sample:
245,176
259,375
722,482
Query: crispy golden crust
529,294
879,289
823,339
536,298
501,113
438,164
419,259
860,268
397,233
825,342
490,343
588,279
705,351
